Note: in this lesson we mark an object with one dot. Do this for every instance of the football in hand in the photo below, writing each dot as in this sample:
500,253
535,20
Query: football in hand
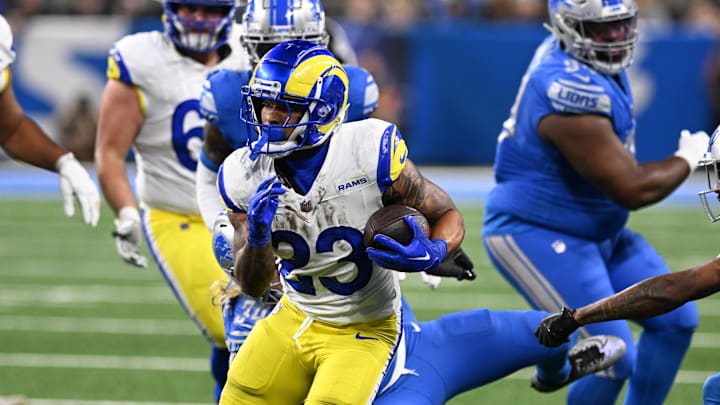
389,221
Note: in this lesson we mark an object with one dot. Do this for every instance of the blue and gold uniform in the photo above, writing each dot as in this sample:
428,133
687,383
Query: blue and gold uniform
166,148
362,311
333,333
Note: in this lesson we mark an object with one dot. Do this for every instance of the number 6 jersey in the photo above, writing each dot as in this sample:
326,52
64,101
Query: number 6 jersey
168,86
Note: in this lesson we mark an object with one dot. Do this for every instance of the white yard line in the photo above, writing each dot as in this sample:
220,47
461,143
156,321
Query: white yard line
691,377
192,364
119,326
89,294
33,360
50,401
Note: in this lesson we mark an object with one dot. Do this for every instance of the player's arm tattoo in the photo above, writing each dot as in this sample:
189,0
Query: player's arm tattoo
655,295
215,146
411,188
254,267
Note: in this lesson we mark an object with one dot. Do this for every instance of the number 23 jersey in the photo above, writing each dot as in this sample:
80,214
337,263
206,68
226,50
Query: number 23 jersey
168,86
325,269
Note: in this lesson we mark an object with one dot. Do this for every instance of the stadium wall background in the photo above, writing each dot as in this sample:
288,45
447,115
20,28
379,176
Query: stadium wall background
458,81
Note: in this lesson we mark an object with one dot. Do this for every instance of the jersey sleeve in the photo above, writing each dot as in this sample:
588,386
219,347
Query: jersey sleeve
7,52
220,103
571,95
553,90
392,157
572,88
117,68
229,186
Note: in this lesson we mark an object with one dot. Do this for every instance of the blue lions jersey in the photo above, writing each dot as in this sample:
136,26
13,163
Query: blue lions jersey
535,183
220,103
221,99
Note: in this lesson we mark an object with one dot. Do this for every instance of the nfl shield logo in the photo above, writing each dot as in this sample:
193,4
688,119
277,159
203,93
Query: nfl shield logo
306,206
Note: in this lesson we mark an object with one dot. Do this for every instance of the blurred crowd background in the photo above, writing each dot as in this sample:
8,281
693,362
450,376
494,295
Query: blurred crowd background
399,13
378,31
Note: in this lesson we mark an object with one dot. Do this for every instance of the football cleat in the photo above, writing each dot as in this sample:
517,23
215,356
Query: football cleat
586,357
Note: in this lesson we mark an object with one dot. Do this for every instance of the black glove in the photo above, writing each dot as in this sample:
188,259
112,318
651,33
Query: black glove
456,265
556,329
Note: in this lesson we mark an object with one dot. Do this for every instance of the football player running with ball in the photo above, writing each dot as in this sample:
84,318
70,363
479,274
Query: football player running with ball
338,335
150,103
334,331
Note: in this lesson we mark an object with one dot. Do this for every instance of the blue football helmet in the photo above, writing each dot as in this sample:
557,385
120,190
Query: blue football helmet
710,197
265,24
296,75
600,33
198,35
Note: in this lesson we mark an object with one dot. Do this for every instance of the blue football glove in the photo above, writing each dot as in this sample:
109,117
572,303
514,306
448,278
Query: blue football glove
242,312
421,254
262,207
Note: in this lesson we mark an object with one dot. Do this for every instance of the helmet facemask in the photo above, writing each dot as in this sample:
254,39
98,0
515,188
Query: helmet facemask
319,119
298,76
710,197
199,35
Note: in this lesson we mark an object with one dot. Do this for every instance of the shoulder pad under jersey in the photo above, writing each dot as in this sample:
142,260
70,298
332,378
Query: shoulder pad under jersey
363,93
220,103
7,52
572,87
134,58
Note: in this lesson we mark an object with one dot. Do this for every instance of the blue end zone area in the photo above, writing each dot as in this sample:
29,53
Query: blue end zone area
467,184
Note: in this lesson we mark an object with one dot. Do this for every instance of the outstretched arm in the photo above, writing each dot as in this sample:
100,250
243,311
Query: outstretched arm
648,298
22,138
655,295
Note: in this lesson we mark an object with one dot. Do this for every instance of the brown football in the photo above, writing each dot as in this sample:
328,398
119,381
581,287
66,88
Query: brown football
389,221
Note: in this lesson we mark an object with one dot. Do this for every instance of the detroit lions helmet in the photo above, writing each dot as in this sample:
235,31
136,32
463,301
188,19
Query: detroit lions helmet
199,35
710,197
265,24
600,33
296,75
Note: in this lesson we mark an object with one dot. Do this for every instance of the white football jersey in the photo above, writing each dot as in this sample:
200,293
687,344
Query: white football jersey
7,53
326,271
169,86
